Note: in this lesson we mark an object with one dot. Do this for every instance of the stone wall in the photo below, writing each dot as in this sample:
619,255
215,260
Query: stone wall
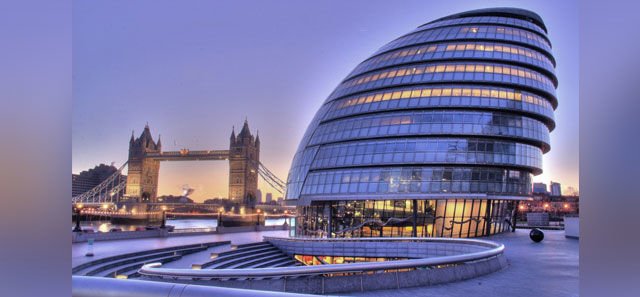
365,282
347,248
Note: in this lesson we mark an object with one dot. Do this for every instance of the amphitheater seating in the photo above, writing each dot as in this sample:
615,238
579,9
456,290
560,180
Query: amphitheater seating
253,255
128,264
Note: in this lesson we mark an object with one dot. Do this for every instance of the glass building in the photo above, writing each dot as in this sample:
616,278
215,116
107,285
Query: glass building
438,133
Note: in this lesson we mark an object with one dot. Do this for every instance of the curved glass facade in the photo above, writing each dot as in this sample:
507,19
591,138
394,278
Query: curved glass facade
438,133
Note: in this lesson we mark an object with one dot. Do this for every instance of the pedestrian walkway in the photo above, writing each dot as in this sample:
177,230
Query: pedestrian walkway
103,249
548,268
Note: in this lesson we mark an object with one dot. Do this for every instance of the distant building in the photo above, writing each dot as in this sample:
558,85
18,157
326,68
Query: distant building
89,179
269,198
280,200
571,191
556,206
174,199
556,189
539,188
259,196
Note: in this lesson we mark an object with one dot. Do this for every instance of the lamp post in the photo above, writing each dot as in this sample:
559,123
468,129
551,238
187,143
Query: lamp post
77,208
258,217
164,211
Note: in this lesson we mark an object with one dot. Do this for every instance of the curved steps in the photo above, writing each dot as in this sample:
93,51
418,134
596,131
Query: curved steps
254,255
129,263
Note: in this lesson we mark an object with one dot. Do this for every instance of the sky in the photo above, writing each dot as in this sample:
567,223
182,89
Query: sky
194,69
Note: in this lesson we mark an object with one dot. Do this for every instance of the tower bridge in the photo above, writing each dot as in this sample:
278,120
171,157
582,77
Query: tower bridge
145,156
143,167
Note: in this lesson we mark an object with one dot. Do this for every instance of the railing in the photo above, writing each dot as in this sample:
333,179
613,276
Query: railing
194,230
103,191
493,250
85,286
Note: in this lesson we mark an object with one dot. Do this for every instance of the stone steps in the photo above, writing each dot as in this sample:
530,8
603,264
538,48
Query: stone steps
132,269
125,262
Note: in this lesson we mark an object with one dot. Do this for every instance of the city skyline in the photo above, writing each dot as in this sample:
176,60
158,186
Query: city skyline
130,71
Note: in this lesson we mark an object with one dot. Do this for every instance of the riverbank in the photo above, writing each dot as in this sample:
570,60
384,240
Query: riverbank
162,233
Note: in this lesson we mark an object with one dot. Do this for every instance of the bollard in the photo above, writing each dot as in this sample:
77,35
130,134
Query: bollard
89,247
536,235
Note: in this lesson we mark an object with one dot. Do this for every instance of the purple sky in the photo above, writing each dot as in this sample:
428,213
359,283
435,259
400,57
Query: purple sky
194,69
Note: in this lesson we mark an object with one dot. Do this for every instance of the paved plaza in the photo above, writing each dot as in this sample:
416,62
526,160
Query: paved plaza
549,268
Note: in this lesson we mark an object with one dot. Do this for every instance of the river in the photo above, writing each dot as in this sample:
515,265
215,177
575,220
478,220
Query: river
105,226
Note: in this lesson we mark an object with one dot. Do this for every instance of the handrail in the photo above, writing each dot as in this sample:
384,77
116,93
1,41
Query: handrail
86,286
103,185
495,249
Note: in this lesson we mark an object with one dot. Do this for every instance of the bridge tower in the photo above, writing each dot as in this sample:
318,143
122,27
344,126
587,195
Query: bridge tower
244,159
142,179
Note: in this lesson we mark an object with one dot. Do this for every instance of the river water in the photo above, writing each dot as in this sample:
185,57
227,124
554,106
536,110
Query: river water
105,226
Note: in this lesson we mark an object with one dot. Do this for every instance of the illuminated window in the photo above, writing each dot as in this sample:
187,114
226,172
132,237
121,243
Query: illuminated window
518,96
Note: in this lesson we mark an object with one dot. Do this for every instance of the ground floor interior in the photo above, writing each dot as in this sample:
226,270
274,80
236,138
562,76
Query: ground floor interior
405,218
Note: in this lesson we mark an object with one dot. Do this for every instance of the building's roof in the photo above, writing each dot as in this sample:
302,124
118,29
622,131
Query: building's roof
245,130
499,11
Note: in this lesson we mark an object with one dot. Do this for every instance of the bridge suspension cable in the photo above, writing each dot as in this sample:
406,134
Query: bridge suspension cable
108,191
273,180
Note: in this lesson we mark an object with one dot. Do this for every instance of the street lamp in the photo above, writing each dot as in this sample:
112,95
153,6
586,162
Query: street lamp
258,217
164,209
77,208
